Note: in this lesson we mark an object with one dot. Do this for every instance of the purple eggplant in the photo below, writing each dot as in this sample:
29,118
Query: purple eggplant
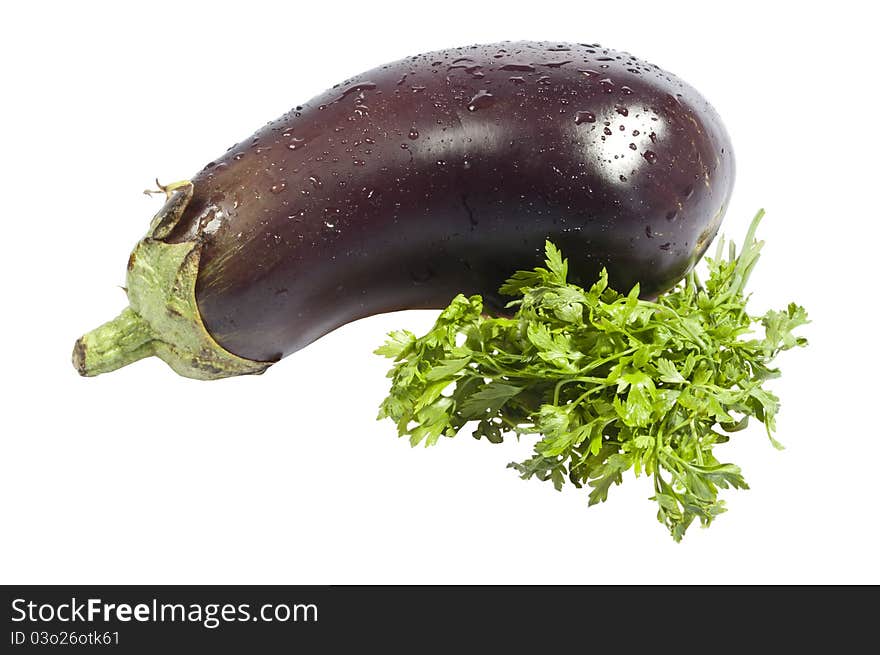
431,176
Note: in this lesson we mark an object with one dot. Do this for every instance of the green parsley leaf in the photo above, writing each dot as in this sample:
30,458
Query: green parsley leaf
488,399
555,263
668,372
397,344
606,382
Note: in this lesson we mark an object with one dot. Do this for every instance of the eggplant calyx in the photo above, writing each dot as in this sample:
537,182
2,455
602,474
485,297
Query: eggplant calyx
163,317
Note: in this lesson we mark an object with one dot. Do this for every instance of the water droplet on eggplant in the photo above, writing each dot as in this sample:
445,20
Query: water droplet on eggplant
520,68
584,117
354,88
481,100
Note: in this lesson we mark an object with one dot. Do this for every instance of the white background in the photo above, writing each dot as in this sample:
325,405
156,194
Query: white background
146,477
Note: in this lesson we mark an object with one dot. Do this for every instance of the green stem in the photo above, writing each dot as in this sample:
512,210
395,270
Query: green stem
559,384
596,363
580,398
117,343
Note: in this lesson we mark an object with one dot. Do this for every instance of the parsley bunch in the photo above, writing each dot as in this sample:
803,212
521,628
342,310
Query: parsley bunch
608,382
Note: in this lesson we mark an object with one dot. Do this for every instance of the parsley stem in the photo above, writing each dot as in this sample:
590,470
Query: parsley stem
599,362
697,446
580,398
559,384
657,440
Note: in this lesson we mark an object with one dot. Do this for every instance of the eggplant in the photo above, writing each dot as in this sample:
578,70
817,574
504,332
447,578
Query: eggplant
438,174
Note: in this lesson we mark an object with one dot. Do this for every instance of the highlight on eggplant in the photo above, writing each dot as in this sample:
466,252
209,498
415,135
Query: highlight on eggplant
404,186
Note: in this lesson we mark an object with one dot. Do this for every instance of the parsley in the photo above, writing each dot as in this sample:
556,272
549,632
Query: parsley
608,382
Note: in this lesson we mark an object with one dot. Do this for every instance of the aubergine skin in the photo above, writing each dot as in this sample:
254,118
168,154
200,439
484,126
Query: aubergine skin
444,173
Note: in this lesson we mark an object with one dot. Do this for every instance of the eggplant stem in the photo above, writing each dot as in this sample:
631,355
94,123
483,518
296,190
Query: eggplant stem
117,343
